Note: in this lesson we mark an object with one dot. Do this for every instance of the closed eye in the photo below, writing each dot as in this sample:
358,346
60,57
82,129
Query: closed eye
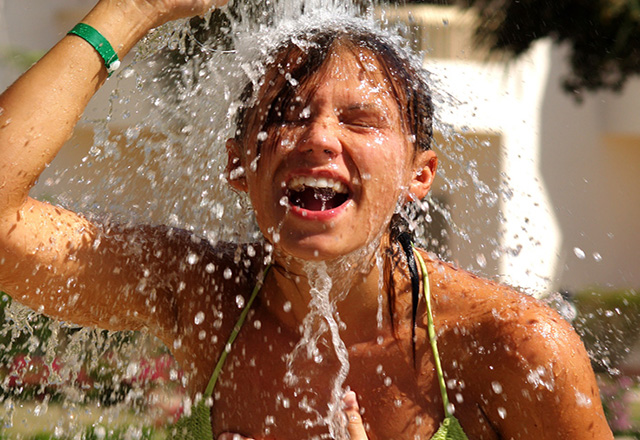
296,113
364,117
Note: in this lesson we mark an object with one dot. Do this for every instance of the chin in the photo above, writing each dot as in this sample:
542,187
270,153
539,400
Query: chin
323,248
311,251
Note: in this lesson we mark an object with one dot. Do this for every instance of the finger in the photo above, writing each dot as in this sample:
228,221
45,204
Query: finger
355,427
232,436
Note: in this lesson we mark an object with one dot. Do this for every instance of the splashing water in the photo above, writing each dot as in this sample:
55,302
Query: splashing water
320,319
158,156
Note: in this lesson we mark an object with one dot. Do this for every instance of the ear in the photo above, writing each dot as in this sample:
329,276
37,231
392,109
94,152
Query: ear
234,170
426,164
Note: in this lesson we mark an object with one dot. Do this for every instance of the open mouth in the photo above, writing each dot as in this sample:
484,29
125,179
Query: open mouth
316,194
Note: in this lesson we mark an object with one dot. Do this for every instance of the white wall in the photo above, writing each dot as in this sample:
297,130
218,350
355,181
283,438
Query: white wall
590,163
507,101
574,170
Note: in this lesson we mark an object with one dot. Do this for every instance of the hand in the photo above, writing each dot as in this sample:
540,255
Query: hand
354,419
231,436
355,427
162,11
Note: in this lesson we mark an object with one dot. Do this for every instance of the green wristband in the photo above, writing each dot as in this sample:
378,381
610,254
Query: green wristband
99,43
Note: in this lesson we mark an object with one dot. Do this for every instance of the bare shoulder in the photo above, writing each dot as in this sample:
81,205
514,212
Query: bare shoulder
190,269
466,299
518,366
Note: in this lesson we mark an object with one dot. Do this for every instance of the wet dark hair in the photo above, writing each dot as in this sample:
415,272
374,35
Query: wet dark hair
300,55
297,58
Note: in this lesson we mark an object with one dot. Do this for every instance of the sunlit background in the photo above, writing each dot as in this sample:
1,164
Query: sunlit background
551,202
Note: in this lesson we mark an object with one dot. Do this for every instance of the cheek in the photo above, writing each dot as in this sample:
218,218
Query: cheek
388,159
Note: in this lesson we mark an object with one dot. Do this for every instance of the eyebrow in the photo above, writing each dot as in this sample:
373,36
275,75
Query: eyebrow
364,106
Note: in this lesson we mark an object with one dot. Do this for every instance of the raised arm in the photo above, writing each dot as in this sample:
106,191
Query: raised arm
52,259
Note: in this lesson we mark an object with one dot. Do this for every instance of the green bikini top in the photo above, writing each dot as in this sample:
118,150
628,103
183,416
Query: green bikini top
197,426
450,428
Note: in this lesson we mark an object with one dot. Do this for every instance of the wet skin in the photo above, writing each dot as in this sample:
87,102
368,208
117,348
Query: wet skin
507,359
520,371
343,124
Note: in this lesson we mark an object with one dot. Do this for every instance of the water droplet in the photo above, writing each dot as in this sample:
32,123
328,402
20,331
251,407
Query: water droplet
240,301
579,253
257,324
253,166
127,73
210,268
202,334
100,432
286,403
40,409
583,400
227,274
177,343
502,412
397,403
388,381
287,306
199,318
262,136
379,369
497,387
597,257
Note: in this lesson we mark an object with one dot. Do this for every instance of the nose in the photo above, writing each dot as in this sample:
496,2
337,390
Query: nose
321,139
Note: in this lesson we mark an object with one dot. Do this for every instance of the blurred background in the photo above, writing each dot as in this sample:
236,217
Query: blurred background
538,101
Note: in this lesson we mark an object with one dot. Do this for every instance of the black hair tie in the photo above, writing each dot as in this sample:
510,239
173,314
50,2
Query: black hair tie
404,238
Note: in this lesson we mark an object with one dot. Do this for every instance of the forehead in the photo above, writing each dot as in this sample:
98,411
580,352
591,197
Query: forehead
349,63
343,64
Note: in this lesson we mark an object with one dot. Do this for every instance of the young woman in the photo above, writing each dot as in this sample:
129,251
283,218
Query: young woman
326,160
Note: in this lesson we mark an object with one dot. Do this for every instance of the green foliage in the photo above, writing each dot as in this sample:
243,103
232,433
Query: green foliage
19,58
603,35
23,337
28,352
91,433
608,322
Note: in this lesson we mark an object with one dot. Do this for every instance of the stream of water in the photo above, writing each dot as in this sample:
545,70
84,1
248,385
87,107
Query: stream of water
158,156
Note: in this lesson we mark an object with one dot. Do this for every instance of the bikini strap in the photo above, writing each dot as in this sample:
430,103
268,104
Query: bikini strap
432,333
234,334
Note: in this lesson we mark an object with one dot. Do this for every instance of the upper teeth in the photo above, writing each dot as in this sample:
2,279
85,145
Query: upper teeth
299,182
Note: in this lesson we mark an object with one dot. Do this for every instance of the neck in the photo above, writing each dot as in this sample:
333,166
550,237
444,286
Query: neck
352,284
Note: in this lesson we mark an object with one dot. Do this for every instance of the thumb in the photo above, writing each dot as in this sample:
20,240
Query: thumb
355,427
231,436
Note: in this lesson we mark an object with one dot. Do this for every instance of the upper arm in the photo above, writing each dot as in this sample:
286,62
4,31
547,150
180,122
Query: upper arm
68,267
546,387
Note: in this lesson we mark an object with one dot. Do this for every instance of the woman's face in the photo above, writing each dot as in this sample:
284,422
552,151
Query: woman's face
326,176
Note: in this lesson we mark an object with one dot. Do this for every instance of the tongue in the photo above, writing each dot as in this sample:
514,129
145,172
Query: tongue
316,199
